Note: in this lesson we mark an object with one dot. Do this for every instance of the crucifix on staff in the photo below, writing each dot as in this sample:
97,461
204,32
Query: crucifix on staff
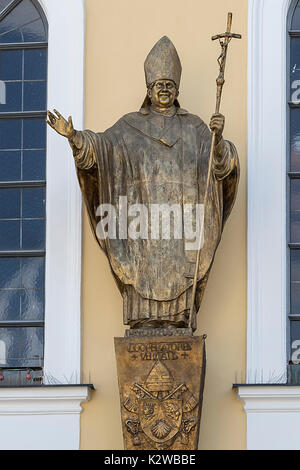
217,123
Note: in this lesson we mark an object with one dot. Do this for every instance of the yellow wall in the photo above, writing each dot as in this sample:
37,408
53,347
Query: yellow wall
119,34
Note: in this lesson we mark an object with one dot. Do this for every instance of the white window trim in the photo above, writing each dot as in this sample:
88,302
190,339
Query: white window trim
266,327
272,411
63,235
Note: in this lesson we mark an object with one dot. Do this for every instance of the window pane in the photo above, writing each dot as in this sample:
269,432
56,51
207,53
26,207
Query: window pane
32,340
33,203
22,289
296,18
34,96
21,304
9,347
32,304
295,227
10,165
9,235
28,273
295,298
34,165
33,279
35,65
10,273
13,97
295,139
33,234
34,133
33,273
11,36
34,32
10,304
11,65
10,203
22,14
22,346
10,133
295,194
16,95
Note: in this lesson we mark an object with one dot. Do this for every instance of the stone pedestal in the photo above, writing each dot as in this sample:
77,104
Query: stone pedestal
161,381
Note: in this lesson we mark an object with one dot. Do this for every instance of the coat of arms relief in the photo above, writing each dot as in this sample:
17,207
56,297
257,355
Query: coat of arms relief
162,409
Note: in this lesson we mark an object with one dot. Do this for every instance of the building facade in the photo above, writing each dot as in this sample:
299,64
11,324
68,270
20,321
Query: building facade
87,61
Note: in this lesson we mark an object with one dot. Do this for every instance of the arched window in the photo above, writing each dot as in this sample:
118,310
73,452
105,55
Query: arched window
294,181
23,94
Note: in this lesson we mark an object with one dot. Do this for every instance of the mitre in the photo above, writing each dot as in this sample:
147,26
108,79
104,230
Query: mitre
163,62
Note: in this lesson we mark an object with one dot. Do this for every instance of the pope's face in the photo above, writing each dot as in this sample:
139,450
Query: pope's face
163,93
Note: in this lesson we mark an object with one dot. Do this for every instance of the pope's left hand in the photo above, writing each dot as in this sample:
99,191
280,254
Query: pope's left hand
217,124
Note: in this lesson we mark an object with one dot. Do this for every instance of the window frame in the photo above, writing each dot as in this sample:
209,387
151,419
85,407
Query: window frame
23,46
65,91
291,175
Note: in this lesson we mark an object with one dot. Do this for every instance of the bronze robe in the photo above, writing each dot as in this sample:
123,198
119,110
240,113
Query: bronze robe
154,159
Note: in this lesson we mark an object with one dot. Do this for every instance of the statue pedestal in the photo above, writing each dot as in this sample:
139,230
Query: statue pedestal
161,381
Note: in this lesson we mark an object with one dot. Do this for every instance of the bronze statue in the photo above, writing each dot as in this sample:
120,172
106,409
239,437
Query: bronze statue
157,156
164,161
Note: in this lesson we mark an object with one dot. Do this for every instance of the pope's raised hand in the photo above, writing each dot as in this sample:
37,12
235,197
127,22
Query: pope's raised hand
60,124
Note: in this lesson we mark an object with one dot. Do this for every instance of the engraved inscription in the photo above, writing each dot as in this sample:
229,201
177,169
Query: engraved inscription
159,351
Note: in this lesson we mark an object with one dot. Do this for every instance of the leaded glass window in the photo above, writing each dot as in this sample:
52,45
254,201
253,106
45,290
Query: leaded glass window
23,92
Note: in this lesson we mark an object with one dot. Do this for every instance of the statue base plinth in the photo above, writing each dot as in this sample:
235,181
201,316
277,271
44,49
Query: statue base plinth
161,381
